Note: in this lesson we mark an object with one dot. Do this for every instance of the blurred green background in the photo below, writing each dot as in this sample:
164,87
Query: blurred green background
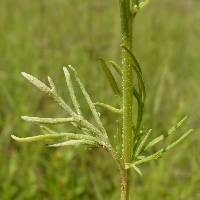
41,36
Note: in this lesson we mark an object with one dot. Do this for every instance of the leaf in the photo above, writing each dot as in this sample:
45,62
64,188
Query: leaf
136,63
140,157
52,92
171,131
116,67
142,90
56,136
79,119
154,156
140,108
47,129
160,152
138,71
48,120
118,139
59,100
39,138
178,140
110,77
142,143
128,166
73,142
137,170
137,96
51,83
140,116
44,88
71,91
109,107
89,101
36,82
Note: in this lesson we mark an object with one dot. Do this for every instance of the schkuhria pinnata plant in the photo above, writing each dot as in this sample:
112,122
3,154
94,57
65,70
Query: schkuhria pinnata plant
131,145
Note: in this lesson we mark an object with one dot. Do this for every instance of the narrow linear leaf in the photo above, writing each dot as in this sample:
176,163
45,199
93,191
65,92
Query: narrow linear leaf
59,100
79,119
178,140
171,131
38,138
110,77
51,83
74,142
89,101
140,116
140,108
44,88
118,139
142,89
36,82
47,129
136,63
154,156
52,92
48,120
142,143
159,153
137,96
116,67
56,136
137,69
109,107
71,91
135,168
140,157
87,125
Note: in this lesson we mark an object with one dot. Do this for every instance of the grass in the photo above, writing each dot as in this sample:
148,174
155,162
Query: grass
38,39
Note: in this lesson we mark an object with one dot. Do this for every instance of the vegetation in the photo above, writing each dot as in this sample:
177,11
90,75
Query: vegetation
100,139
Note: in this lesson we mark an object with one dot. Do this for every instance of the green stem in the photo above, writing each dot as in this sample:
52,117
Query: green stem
127,100
126,28
124,184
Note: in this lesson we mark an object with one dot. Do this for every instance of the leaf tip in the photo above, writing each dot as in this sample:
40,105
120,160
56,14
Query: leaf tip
65,70
49,78
15,138
36,82
25,75
24,117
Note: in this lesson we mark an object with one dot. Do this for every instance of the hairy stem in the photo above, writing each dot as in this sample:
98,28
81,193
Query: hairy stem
124,183
126,28
126,31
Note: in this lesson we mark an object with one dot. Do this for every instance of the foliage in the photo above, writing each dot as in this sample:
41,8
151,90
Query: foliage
96,135
43,46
